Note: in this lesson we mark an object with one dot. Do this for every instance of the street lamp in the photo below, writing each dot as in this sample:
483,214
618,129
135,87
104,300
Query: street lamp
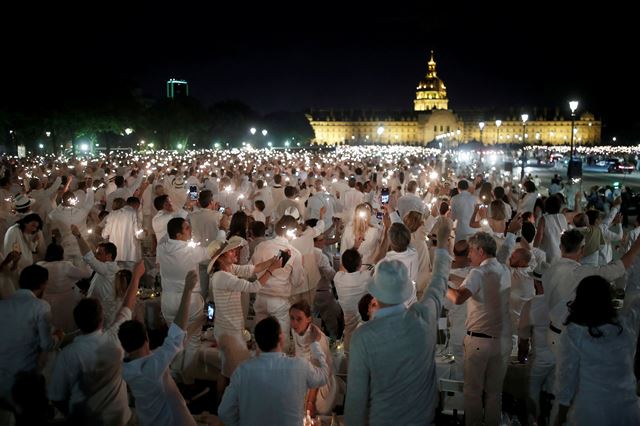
498,124
380,131
481,125
252,130
573,105
524,118
264,132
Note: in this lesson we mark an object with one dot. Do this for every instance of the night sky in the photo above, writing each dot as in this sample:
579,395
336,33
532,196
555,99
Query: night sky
333,55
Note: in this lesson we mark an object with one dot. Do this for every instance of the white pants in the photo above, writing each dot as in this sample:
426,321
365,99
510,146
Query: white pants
485,365
277,307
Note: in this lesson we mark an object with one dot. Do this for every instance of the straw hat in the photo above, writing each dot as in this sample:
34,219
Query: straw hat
178,182
390,283
217,248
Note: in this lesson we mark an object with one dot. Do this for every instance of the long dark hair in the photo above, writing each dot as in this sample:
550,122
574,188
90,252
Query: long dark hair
593,306
238,225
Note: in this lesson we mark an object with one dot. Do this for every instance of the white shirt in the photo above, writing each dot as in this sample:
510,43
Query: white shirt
488,307
158,400
281,384
123,192
176,258
282,280
24,243
61,293
204,225
561,279
88,373
26,331
462,207
122,229
409,202
102,285
162,218
351,286
45,199
534,323
62,217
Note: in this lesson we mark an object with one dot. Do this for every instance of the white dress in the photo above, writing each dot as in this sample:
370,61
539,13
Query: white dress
554,226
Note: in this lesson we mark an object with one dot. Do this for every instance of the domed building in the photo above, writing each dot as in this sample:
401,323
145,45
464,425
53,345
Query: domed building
432,119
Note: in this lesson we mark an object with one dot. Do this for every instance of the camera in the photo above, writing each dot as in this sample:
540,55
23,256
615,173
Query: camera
193,192
384,196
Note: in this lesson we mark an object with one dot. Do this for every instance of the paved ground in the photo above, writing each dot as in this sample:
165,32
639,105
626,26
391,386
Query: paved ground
588,178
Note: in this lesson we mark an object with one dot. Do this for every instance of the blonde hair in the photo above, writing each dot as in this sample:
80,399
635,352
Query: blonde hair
361,224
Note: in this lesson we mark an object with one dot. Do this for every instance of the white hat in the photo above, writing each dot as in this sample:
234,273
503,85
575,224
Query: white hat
218,247
390,283
22,202
178,182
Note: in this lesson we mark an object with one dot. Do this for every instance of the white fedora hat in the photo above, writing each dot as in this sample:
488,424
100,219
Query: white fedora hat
22,202
390,283
217,248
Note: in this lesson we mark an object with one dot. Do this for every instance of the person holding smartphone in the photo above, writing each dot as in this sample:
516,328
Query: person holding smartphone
361,235
227,282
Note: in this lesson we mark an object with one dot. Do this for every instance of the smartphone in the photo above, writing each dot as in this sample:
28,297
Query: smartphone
193,192
211,310
379,215
221,210
285,256
384,196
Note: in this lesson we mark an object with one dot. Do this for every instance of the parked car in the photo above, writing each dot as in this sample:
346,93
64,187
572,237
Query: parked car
614,165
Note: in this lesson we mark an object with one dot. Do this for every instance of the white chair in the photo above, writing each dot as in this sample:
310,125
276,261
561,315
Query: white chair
451,397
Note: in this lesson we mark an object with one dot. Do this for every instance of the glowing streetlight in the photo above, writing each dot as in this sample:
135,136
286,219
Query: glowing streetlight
128,130
498,124
286,143
264,132
40,146
270,144
481,125
179,146
524,118
47,133
252,130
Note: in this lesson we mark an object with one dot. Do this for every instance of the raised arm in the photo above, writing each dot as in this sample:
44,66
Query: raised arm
504,252
441,266
129,300
182,316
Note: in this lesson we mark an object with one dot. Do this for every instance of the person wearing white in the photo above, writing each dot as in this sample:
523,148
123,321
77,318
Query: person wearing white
227,283
528,199
351,198
612,232
462,207
158,400
86,381
320,400
61,292
177,256
263,192
564,274
280,382
166,212
361,235
351,284
25,237
534,323
391,374
45,198
321,198
105,267
124,229
595,384
122,190
410,201
415,223
488,341
398,237
25,328
550,228
71,212
273,299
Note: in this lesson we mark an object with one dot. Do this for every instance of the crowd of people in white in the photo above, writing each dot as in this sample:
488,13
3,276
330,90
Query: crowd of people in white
517,274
